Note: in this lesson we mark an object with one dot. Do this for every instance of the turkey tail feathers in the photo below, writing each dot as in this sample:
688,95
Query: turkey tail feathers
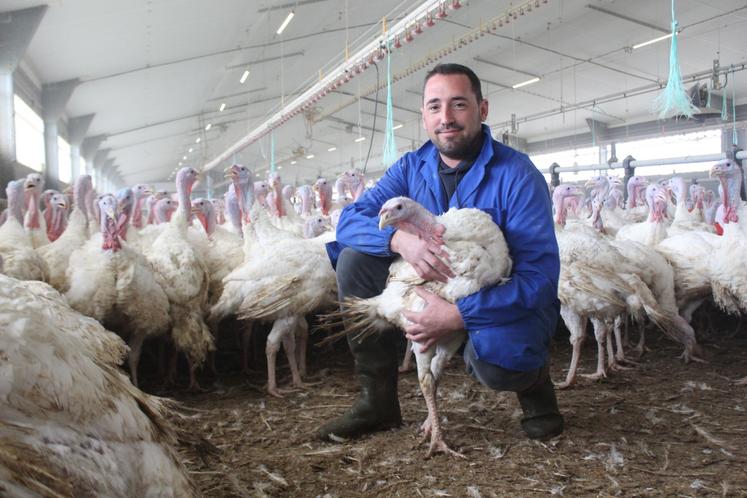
271,301
357,317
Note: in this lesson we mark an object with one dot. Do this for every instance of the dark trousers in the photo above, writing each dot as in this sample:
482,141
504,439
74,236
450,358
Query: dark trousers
363,275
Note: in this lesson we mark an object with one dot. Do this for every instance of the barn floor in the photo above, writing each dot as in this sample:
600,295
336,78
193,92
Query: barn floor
662,429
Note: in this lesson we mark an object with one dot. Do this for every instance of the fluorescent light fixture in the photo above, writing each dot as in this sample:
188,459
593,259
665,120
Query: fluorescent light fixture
293,162
280,167
661,38
310,156
184,158
398,126
190,149
197,140
525,83
209,125
256,174
332,149
180,163
359,139
222,107
285,23
244,76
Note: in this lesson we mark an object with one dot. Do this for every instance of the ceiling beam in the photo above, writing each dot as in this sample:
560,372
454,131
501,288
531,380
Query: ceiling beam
291,5
267,59
628,18
254,90
508,68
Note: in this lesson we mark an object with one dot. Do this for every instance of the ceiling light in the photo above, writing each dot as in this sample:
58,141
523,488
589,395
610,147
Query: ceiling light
257,174
661,38
332,149
398,126
190,149
293,162
285,23
209,125
525,83
310,156
185,158
244,76
359,139
280,167
222,107
180,163
197,140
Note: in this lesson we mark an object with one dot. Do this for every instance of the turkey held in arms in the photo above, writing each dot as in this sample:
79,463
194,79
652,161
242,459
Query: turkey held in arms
478,256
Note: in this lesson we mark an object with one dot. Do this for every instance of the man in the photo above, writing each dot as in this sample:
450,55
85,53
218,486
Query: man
509,325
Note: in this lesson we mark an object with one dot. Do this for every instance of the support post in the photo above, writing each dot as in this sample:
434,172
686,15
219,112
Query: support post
17,28
76,131
54,99
629,173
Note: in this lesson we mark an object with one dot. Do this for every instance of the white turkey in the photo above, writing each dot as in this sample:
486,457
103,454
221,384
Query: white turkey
71,423
478,256
57,254
20,258
285,278
181,272
34,221
114,283
596,283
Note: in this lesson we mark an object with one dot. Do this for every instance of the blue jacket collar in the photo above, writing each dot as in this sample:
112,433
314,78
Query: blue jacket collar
428,156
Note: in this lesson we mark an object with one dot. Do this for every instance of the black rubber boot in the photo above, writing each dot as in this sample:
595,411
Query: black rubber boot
542,419
377,407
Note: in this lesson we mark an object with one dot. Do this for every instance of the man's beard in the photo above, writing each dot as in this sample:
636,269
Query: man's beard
460,147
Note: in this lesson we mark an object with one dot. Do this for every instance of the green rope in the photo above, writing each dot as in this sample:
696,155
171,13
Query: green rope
389,155
724,112
733,109
674,99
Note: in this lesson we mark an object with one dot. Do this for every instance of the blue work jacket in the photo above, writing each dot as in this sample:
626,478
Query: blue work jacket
510,325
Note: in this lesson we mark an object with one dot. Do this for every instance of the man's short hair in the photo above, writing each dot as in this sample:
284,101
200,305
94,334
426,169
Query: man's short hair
456,69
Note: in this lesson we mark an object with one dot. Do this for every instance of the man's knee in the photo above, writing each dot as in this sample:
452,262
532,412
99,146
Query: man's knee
494,376
360,274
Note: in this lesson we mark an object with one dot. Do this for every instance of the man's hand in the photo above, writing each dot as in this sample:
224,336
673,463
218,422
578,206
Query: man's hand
439,317
424,256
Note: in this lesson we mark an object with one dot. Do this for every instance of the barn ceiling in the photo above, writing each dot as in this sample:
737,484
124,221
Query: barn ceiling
156,72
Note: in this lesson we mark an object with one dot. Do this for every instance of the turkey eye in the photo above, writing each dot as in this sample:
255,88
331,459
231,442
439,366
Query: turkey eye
399,207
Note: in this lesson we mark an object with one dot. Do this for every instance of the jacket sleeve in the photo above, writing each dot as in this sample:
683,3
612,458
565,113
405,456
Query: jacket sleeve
358,227
530,234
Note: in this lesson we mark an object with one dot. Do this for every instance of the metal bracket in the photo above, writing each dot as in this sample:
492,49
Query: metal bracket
554,175
629,173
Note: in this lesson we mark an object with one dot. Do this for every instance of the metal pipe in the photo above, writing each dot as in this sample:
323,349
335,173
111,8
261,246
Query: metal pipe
650,162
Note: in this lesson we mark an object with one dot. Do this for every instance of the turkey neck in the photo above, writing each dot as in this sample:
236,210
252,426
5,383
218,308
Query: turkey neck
181,217
33,209
279,199
245,197
80,193
305,202
730,184
137,213
15,206
422,223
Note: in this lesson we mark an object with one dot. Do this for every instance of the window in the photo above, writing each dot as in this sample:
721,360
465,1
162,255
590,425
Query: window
29,135
64,162
567,158
689,144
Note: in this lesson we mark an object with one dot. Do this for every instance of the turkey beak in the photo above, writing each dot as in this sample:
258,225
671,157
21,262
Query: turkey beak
195,210
110,213
383,219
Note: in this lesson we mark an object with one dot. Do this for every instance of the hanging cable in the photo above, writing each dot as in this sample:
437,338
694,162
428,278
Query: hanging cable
376,111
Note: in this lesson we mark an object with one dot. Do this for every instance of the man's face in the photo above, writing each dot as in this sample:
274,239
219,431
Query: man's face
452,114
